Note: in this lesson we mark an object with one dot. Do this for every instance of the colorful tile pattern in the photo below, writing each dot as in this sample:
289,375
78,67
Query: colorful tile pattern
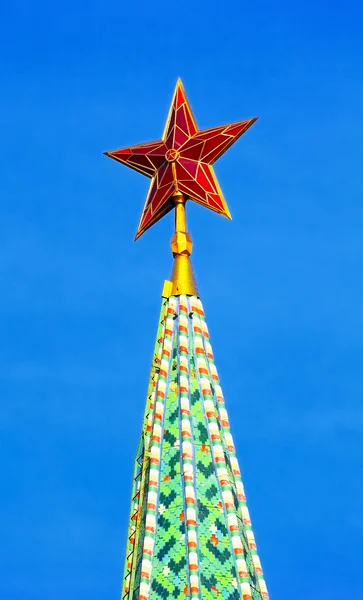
181,161
190,533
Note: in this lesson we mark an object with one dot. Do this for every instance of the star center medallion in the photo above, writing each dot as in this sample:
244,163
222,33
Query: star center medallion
172,155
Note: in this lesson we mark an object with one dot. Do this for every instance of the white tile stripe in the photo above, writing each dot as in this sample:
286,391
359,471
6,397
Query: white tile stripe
133,538
187,451
151,405
155,446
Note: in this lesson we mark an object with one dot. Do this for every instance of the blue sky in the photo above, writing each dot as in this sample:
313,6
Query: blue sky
281,284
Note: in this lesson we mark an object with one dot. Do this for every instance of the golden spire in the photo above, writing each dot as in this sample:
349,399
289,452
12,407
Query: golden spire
182,277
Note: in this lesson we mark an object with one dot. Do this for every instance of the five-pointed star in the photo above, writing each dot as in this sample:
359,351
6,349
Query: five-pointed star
181,161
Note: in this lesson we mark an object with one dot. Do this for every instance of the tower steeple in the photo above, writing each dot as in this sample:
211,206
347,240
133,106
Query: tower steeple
182,278
190,533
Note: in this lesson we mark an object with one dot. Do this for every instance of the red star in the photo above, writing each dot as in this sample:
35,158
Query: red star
181,161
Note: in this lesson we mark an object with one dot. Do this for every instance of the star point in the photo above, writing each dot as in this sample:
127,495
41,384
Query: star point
181,161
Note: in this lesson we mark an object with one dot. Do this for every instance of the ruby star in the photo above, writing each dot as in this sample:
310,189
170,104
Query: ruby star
181,161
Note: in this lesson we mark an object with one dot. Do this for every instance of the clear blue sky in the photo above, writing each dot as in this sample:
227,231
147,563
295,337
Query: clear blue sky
281,283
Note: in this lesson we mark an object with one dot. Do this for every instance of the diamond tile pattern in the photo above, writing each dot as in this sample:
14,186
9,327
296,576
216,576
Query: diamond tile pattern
190,533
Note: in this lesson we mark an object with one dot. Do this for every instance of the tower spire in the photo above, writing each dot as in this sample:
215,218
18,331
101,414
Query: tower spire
190,535
182,278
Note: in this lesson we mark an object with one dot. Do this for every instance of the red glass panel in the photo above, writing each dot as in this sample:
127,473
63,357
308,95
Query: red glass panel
215,202
181,173
237,129
171,124
193,190
122,159
191,125
160,172
121,152
163,195
179,137
156,201
146,148
141,161
209,173
192,149
169,142
190,165
157,161
159,149
214,148
145,218
180,97
152,191
181,120
147,172
166,177
207,134
204,181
